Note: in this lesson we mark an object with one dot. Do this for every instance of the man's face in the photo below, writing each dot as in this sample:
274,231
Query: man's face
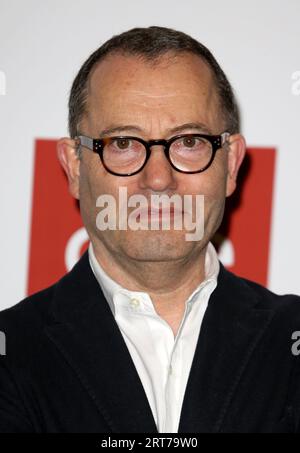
124,91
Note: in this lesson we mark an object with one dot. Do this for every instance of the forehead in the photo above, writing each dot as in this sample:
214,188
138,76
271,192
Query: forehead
126,87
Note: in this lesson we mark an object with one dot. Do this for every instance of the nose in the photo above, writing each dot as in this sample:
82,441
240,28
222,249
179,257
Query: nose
158,173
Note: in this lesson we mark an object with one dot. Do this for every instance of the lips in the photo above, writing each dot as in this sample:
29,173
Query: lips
162,212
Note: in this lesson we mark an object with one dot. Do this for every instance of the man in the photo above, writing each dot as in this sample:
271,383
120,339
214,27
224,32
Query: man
149,332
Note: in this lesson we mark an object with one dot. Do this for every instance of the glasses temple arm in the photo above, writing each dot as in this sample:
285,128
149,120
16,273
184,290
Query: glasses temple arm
82,140
224,137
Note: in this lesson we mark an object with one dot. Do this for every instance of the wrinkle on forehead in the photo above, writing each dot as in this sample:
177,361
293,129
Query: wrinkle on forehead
168,95
166,99
150,100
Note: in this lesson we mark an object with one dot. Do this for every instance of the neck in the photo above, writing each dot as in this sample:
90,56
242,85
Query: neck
168,283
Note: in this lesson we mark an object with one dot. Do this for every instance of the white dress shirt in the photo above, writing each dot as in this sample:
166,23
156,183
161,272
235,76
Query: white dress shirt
163,362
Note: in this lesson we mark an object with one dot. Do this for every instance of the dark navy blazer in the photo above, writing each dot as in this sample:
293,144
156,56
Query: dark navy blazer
68,369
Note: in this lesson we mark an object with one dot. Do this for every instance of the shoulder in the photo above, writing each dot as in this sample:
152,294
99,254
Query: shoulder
270,299
35,305
37,308
23,323
265,298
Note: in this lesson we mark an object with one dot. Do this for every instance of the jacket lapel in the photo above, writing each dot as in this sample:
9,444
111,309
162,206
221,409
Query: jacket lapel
87,335
232,327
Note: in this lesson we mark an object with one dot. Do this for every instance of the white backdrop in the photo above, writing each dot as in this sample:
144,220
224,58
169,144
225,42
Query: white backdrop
43,44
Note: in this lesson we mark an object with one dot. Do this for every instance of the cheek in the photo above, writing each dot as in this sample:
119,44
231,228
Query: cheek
89,189
91,180
211,183
216,178
85,184
215,201
96,182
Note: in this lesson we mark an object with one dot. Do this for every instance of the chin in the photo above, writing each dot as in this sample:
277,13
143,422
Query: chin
157,245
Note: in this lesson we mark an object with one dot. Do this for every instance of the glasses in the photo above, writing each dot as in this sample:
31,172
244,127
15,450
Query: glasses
126,155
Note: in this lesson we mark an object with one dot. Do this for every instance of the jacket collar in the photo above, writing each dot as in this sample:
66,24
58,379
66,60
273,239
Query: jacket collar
86,333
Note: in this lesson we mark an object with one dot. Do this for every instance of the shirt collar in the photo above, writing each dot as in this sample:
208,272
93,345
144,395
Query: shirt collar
111,288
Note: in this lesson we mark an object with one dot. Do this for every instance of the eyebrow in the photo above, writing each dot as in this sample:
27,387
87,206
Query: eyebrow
194,126
132,128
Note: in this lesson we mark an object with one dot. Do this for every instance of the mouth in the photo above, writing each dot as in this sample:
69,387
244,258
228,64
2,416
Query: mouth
159,213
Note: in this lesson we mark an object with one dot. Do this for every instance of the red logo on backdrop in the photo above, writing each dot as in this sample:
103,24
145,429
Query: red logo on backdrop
58,237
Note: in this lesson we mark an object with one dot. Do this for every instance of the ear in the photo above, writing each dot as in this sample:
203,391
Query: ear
236,154
70,161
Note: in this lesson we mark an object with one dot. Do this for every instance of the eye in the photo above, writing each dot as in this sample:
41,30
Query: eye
122,143
189,142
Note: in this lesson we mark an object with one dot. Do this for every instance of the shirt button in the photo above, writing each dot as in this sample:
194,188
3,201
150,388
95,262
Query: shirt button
134,303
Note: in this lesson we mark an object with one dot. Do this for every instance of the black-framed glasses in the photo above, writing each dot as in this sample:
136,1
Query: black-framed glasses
127,155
